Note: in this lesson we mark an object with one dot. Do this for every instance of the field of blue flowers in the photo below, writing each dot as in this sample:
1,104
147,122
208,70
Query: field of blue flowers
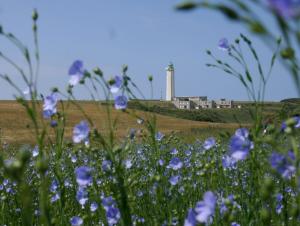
252,178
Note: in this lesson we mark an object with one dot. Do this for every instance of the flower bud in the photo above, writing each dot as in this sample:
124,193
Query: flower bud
69,89
257,27
53,123
265,216
24,156
291,122
54,90
98,71
288,53
267,188
188,5
125,68
288,130
150,78
13,168
81,81
42,165
157,178
111,81
87,74
35,15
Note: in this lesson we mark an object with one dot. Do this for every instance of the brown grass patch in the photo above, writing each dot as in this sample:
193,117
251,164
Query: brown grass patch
16,127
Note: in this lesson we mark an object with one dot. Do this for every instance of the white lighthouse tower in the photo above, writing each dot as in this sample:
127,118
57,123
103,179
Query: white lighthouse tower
170,92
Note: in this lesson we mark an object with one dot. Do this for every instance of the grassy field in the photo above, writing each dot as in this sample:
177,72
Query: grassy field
15,125
191,125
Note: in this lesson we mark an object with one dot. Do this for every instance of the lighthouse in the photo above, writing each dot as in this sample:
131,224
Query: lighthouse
170,91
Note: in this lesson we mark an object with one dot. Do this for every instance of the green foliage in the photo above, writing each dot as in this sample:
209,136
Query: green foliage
205,115
187,5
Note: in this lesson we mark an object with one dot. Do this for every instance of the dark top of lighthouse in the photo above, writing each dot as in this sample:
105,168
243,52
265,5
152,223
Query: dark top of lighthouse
170,67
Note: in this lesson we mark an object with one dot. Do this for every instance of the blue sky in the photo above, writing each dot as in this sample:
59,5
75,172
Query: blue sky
145,35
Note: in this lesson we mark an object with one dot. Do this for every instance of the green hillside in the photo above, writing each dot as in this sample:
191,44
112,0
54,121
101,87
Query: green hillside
274,111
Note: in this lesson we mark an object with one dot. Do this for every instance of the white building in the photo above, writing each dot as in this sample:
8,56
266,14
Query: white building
194,102
223,103
183,103
200,102
206,104
170,91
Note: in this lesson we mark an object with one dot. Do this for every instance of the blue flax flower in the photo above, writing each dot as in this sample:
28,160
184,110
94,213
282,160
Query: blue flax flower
81,132
5,182
224,44
279,205
140,121
107,202
297,120
112,212
286,8
113,215
49,106
117,84
54,186
228,162
128,163
209,143
240,144
235,224
174,151
205,209
284,127
76,221
159,136
174,180
55,197
175,163
106,165
73,158
291,155
83,176
53,123
94,206
29,89
82,196
225,202
188,152
35,151
132,133
161,162
76,72
191,218
282,165
68,183
121,102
